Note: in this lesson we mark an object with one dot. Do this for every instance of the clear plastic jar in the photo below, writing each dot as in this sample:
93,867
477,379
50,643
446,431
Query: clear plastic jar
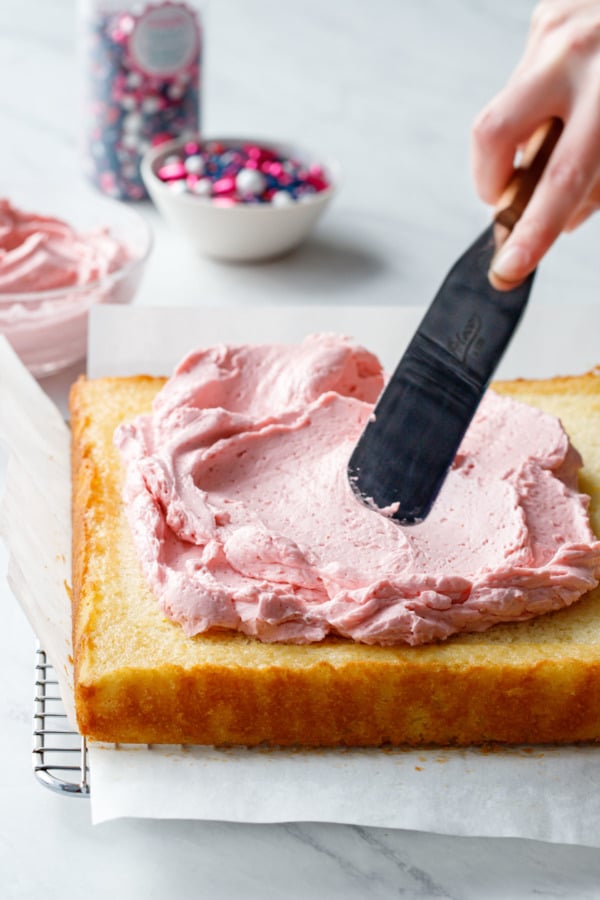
142,67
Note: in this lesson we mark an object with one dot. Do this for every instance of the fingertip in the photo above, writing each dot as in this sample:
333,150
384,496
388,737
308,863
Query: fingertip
510,266
500,285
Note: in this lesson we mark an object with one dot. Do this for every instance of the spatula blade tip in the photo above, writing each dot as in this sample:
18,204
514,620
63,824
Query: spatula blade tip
394,510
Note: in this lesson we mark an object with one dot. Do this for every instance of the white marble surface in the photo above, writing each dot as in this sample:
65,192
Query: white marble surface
388,88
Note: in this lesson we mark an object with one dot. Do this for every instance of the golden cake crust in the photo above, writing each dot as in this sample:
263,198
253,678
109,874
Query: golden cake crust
139,679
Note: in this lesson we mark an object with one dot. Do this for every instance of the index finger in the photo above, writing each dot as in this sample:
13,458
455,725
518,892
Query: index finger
564,185
507,122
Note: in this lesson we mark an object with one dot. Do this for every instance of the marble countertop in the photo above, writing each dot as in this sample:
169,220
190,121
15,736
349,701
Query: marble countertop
388,89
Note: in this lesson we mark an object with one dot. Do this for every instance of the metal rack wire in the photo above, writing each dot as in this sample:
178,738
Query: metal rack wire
59,753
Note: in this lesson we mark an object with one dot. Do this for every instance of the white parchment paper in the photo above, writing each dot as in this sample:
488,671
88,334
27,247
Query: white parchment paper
544,793
35,520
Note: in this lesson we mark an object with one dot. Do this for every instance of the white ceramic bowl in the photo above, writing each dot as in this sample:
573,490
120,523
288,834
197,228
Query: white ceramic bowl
240,232
48,329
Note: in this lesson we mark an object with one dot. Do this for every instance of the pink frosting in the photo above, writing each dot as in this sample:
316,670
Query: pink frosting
38,253
242,516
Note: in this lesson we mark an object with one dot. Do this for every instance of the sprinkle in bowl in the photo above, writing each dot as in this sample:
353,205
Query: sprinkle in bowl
58,258
238,199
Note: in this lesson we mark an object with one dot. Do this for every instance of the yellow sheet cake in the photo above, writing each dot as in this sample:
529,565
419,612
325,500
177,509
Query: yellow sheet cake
138,678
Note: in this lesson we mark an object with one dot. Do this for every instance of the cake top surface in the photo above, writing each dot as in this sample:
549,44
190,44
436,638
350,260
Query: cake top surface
242,516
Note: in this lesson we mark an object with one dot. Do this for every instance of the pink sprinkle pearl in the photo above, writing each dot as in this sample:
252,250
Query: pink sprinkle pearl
224,186
171,171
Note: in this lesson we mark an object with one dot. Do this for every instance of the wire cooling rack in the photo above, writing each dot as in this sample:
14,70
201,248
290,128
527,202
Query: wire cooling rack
59,753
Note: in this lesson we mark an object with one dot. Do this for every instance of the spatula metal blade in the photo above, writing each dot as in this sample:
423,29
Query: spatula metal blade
410,442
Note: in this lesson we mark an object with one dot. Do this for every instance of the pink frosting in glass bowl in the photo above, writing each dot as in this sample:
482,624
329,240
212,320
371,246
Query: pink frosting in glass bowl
53,269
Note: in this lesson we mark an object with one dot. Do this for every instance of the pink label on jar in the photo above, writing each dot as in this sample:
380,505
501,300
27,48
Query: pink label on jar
165,40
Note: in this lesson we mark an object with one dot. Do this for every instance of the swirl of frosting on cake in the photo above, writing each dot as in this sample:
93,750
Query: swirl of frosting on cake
242,516
40,253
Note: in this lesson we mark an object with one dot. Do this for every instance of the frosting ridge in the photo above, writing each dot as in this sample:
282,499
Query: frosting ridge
41,253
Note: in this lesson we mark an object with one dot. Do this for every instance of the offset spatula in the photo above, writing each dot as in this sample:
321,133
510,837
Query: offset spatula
407,447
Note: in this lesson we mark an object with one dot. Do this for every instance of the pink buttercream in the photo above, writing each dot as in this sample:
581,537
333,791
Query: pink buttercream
242,516
38,253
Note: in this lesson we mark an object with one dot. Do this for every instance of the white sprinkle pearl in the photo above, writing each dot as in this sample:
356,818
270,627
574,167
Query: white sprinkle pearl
281,198
203,188
151,105
133,122
250,181
134,80
194,165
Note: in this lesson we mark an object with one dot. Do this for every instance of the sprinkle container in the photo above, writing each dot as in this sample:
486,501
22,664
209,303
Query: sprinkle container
142,65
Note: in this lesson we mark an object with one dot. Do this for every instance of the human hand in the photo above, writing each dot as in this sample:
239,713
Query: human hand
558,75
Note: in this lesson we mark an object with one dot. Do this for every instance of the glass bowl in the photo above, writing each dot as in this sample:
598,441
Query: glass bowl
48,328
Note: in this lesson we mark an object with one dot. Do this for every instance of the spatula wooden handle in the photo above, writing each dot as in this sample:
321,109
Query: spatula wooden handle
521,186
